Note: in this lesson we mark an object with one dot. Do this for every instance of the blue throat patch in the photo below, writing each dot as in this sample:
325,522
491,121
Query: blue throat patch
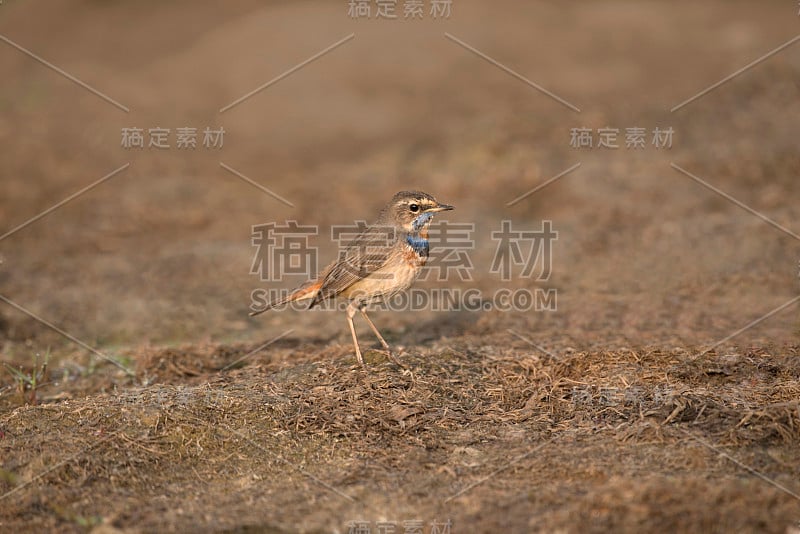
422,220
415,241
419,244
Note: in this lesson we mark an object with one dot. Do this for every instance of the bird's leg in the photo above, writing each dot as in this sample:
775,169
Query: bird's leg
351,311
380,337
374,328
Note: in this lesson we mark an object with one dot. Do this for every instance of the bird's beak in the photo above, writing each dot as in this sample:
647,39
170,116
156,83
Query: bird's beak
442,207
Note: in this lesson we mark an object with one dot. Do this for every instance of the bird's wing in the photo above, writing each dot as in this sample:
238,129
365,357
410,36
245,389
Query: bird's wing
363,257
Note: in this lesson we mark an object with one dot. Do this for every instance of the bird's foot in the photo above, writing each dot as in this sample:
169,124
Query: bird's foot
390,354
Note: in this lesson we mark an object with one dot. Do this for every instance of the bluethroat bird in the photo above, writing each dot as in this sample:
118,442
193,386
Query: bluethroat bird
383,260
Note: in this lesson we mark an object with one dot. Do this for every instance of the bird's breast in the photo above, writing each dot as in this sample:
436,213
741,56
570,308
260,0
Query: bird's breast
396,275
418,244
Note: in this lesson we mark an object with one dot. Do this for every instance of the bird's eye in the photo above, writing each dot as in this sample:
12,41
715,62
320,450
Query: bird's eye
414,208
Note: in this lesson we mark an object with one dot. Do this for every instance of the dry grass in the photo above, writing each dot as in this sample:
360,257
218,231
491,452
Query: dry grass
604,440
625,426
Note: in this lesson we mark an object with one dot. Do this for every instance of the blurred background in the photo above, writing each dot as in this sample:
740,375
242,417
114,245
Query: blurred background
161,252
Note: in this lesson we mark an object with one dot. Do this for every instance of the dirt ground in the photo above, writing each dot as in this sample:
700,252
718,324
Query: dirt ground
608,413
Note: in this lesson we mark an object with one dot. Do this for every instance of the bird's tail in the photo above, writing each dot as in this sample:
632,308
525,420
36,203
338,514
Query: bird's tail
305,292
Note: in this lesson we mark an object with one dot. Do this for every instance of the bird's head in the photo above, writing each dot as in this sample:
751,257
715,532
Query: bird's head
412,210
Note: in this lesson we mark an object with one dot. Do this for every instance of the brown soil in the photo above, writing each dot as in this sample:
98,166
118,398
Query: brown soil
607,414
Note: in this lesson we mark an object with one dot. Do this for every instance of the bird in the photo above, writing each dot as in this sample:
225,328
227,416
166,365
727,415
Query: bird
385,259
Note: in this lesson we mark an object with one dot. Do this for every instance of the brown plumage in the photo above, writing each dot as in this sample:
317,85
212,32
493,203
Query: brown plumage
385,259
